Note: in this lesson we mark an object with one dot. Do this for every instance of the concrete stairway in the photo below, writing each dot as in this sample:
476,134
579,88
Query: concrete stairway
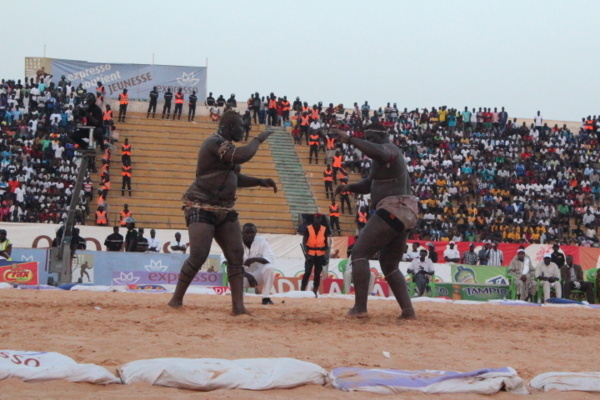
297,189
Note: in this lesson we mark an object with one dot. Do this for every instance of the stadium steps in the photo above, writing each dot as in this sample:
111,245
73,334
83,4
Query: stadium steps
164,157
291,174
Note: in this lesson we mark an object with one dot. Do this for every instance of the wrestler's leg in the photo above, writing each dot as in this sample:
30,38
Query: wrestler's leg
389,258
375,235
229,237
201,235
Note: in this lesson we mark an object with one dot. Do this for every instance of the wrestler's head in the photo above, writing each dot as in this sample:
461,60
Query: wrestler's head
231,126
376,133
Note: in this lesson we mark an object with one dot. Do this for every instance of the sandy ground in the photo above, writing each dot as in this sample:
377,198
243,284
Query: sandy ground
133,326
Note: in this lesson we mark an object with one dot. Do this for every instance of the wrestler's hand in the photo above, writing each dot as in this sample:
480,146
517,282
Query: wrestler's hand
269,183
264,135
251,280
341,135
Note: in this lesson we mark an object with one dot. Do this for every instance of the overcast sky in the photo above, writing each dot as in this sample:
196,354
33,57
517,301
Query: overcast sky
524,55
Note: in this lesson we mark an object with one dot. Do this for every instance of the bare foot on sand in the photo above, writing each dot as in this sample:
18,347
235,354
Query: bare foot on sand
353,313
175,304
408,314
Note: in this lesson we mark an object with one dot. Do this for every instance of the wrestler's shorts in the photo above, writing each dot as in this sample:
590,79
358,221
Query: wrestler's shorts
400,212
215,218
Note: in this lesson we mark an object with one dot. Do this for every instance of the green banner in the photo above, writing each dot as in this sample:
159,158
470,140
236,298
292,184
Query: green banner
478,274
466,291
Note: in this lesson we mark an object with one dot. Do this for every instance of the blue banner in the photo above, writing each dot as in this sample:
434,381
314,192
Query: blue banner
139,79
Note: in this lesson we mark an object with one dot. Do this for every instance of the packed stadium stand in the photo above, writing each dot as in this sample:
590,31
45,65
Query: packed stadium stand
479,175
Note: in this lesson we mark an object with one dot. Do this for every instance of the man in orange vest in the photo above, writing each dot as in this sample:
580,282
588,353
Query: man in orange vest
179,96
329,147
101,218
337,165
313,141
123,102
304,124
396,215
126,174
334,216
285,109
315,248
328,181
125,214
272,110
361,218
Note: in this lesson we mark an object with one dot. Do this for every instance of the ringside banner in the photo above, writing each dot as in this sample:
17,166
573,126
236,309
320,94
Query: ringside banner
139,79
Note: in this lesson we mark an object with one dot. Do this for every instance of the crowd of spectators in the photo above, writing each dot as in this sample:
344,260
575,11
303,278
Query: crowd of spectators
478,174
39,162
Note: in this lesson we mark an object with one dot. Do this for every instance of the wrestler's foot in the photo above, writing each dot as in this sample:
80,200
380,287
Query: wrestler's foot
353,312
239,311
408,314
175,303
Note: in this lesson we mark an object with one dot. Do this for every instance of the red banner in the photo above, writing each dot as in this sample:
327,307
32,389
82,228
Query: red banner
22,273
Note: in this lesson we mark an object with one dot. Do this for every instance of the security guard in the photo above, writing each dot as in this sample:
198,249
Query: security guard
123,102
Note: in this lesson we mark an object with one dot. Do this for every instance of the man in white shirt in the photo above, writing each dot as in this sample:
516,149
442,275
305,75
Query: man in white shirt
496,256
521,268
421,268
258,260
177,246
549,276
413,253
153,242
451,254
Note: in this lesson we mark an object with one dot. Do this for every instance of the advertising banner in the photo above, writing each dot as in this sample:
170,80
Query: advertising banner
138,79
456,291
482,274
22,273
163,278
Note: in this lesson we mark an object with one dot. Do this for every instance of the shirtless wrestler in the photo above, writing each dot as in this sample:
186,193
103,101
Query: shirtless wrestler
209,202
387,229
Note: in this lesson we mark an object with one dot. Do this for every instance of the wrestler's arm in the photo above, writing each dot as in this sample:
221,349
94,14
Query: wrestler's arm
250,181
372,150
362,187
242,154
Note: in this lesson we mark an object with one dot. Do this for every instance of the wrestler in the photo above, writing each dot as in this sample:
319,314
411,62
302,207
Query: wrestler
387,229
209,202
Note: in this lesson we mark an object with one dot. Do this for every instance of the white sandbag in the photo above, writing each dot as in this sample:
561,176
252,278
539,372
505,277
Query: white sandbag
5,285
211,373
30,366
565,381
390,381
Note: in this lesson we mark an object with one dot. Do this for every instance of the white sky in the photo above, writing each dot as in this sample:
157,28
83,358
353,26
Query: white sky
524,55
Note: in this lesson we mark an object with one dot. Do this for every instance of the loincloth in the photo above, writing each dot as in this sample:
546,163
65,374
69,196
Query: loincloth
401,208
208,214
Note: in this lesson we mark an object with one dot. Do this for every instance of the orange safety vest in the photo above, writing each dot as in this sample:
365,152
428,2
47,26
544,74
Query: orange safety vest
362,217
328,175
126,149
178,98
337,161
123,216
106,185
330,143
107,115
100,201
315,245
272,104
334,211
589,124
126,171
304,120
314,114
101,218
285,106
305,110
313,140
100,91
123,98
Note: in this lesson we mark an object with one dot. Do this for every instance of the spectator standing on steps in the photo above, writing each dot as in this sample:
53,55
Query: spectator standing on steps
153,102
126,175
192,100
328,181
168,97
334,217
179,98
123,102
